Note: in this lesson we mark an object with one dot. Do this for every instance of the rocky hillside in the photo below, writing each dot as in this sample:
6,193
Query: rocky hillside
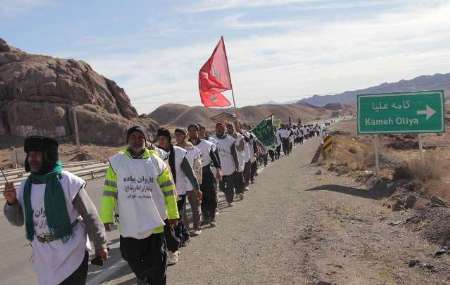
425,82
39,95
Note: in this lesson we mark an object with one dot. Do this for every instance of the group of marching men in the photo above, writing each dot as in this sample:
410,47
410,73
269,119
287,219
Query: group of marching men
147,186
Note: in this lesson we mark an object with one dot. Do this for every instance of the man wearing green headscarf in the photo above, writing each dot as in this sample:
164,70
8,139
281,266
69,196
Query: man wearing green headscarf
58,216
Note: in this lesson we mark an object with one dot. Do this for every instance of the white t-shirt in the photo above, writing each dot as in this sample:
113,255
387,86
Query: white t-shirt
205,148
284,133
55,261
240,153
192,154
226,158
182,183
247,150
277,135
140,199
213,140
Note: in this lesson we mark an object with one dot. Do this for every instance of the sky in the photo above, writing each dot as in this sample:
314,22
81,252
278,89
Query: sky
278,50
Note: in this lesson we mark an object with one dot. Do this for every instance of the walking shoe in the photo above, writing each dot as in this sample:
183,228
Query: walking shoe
217,212
196,233
241,196
173,258
212,224
230,205
246,188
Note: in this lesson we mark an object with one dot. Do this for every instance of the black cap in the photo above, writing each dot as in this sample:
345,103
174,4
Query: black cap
180,130
194,126
49,149
39,143
163,132
138,129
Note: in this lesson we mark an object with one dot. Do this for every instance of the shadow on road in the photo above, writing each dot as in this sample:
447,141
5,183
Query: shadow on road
125,271
377,192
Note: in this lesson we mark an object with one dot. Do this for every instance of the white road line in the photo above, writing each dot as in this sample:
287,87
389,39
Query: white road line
107,272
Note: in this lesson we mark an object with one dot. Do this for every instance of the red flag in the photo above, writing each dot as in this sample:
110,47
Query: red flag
214,78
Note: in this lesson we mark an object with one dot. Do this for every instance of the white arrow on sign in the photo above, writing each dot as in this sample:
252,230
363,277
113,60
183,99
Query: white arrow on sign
429,112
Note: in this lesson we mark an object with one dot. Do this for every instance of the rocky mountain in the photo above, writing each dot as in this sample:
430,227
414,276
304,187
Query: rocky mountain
182,115
425,82
39,95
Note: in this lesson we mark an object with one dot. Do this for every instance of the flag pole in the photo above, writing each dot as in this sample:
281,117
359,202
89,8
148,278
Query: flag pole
229,75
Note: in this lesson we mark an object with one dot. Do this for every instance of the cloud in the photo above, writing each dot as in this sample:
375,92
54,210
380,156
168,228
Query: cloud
216,5
220,5
13,8
237,22
330,57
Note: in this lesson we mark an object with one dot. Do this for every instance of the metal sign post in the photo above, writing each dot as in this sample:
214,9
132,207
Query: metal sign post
376,142
422,157
75,125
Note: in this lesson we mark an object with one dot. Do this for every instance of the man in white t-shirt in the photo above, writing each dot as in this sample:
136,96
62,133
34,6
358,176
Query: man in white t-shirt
208,186
239,184
58,215
193,156
226,147
185,181
138,184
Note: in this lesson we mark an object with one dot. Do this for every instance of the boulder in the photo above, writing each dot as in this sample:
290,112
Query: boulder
38,94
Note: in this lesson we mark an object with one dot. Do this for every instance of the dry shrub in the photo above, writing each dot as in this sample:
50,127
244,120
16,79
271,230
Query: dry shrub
423,171
403,172
426,171
352,150
438,188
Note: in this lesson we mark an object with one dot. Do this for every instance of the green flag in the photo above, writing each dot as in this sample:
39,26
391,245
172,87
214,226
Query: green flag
265,132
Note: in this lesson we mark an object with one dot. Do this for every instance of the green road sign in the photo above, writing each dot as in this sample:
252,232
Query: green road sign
414,112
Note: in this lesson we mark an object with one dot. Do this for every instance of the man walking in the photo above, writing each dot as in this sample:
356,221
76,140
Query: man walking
228,160
57,213
193,156
140,185
238,175
208,185
185,181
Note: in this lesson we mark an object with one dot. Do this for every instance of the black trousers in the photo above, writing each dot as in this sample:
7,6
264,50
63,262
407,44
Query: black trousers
278,152
181,231
285,143
272,155
247,172
254,169
79,276
209,190
265,158
147,257
239,184
226,185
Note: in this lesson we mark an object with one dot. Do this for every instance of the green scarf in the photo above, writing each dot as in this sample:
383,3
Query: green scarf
58,220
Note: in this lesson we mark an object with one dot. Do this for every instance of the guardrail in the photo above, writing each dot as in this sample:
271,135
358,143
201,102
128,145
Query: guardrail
86,169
